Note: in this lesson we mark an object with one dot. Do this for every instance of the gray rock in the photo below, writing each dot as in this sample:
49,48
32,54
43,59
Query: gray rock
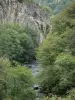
25,14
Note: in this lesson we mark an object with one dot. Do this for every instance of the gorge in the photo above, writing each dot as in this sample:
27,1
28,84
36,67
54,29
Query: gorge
37,49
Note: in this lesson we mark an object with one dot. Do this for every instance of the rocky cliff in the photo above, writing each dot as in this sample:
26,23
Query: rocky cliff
25,14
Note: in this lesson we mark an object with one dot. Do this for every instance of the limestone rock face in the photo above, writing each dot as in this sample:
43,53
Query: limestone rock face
25,14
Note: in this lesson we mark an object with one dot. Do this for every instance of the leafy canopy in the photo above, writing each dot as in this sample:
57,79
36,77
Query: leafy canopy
57,54
17,43
15,82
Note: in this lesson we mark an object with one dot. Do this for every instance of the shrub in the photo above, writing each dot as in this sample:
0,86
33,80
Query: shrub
15,82
57,55
16,43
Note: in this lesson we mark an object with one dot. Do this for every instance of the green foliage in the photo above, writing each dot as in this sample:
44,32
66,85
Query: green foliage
59,78
65,19
16,43
65,65
45,8
3,82
55,5
20,84
71,94
32,33
57,55
15,82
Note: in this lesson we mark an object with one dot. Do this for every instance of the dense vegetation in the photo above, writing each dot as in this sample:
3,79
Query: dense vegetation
56,5
57,55
18,43
15,82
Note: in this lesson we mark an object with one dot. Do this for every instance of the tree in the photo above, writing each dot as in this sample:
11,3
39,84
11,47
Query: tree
3,82
16,83
56,5
16,43
57,55
20,84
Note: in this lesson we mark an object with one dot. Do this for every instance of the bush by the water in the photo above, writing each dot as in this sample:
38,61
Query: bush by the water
57,55
15,82
16,43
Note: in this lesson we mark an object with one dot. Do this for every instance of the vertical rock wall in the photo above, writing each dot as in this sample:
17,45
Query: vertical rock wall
25,14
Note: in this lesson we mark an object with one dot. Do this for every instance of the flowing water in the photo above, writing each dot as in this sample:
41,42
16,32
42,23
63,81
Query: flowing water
35,68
